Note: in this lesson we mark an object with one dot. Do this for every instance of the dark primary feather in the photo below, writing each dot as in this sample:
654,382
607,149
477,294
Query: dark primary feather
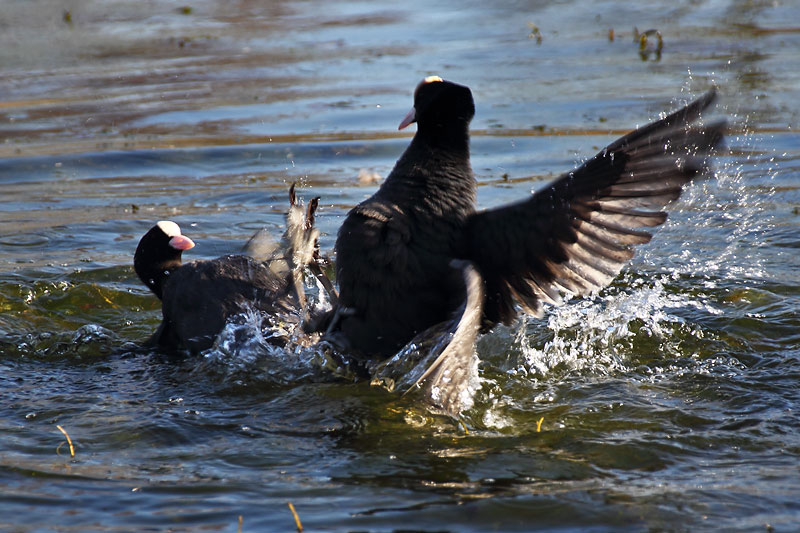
575,235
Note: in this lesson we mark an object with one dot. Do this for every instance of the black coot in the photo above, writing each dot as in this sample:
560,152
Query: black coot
394,250
198,298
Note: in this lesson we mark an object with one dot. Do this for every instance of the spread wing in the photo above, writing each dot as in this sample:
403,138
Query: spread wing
575,235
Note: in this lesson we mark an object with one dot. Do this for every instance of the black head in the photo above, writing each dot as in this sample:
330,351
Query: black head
159,253
440,104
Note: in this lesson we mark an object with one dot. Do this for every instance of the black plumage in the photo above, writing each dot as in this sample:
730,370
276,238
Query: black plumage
394,249
200,297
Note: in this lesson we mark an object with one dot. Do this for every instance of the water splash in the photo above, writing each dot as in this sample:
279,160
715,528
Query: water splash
250,349
729,219
731,213
599,335
713,241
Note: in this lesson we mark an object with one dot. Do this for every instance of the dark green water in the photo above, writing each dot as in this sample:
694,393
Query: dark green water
670,401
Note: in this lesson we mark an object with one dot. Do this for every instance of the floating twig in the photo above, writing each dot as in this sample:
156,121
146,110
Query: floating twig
539,425
239,528
69,441
296,518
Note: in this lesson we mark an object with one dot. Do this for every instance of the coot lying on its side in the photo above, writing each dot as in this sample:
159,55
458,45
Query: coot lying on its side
394,249
199,297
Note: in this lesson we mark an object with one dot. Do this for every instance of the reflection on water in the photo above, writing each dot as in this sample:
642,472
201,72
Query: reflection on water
669,400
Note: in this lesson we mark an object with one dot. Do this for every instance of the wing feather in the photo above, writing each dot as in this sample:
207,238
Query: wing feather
575,235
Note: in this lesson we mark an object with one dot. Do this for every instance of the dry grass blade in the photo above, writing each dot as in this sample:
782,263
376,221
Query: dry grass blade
69,441
296,518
